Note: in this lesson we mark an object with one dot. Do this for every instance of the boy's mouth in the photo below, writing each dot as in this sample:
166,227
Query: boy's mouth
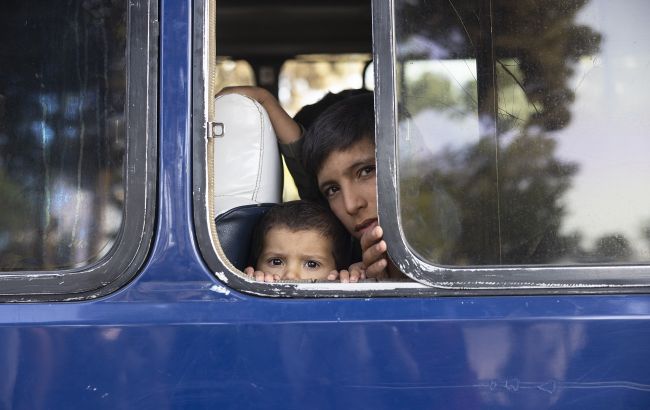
365,226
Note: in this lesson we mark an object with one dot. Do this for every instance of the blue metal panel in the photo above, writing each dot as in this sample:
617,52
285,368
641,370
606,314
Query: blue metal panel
189,346
177,338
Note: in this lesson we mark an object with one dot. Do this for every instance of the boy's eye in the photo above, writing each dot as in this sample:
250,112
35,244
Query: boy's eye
330,191
367,170
312,264
275,261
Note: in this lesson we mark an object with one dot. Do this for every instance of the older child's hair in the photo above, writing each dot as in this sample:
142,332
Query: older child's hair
303,216
338,128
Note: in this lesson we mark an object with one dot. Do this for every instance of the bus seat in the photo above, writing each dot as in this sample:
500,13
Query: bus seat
247,173
247,163
235,229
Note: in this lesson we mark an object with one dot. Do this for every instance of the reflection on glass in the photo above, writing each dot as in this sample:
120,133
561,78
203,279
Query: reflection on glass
523,137
62,129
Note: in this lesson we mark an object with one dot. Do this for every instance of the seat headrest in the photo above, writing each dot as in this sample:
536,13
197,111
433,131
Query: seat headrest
235,229
247,163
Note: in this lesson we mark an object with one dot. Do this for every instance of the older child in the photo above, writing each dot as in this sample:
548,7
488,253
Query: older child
298,240
339,149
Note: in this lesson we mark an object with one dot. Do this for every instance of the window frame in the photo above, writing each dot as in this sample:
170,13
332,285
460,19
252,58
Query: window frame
208,243
505,279
430,280
132,244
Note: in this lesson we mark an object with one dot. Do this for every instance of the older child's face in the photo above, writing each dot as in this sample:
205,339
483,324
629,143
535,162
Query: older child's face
296,255
347,180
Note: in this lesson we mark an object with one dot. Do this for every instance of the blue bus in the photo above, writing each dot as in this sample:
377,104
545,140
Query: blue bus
512,158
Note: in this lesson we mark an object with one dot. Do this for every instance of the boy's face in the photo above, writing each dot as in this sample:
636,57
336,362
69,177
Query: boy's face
347,180
296,255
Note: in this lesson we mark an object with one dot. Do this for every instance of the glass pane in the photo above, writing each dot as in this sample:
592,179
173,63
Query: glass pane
233,72
62,132
308,78
523,134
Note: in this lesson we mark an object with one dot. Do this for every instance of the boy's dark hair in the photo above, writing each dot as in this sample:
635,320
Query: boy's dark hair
303,216
338,128
309,113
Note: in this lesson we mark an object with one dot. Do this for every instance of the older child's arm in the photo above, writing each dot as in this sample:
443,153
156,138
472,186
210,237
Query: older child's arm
286,129
289,135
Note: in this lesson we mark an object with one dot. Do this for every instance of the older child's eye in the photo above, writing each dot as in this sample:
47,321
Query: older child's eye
367,170
312,264
330,191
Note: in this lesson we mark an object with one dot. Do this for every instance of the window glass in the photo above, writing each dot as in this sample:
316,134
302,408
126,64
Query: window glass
523,135
62,132
306,79
231,72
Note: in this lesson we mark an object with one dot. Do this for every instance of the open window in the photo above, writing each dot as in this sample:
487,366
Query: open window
299,51
519,142
511,138
77,146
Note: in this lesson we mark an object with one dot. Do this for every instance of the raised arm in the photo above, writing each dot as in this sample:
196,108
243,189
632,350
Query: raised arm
289,135
286,129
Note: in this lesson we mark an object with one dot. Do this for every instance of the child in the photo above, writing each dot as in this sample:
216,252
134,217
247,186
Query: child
298,240
336,160
339,150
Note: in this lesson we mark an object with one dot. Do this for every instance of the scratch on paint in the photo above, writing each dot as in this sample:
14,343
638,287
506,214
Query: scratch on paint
94,389
515,385
220,289
221,276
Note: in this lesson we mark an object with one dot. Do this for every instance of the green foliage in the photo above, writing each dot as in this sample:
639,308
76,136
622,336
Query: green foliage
429,91
498,200
14,209
541,37
461,212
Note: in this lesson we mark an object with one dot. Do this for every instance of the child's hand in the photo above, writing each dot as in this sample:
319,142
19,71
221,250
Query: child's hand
260,276
353,274
374,254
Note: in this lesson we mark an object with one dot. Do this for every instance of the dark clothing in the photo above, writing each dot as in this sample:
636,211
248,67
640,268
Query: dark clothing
306,184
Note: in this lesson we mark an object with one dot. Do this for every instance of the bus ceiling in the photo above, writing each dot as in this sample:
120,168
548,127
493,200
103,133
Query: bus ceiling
274,30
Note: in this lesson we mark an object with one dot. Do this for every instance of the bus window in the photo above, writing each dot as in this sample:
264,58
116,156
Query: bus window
326,49
64,94
306,79
522,139
229,72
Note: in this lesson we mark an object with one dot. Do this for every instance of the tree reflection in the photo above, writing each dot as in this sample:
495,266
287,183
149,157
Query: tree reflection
497,197
62,95
613,247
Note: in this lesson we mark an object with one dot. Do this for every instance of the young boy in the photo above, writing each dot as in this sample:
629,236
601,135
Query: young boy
336,159
297,240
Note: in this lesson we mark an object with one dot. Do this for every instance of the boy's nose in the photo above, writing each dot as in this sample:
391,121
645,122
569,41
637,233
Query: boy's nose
352,201
292,272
